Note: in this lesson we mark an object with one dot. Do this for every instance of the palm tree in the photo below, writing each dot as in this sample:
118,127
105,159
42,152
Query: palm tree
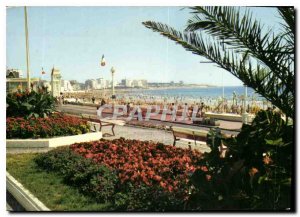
239,44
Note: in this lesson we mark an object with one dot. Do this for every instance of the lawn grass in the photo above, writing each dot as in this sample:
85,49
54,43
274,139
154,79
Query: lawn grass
49,187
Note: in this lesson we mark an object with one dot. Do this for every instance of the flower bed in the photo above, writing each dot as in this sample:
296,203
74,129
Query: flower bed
130,174
142,161
55,125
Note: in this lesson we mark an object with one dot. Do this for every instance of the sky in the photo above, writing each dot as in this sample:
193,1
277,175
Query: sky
73,39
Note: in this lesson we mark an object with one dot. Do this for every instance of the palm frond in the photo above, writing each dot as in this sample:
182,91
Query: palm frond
260,77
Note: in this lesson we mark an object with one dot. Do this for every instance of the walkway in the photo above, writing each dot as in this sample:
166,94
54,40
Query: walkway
147,134
78,109
128,132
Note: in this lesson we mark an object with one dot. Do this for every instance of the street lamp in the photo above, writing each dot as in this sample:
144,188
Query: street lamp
27,49
43,73
223,95
102,61
113,84
245,114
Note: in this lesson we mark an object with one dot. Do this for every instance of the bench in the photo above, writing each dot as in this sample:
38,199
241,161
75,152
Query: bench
188,133
196,135
112,123
103,123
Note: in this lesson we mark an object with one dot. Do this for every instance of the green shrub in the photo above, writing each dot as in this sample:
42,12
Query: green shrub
255,173
146,198
93,180
102,184
29,104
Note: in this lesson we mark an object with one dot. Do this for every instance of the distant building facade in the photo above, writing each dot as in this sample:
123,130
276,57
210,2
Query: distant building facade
101,83
55,82
14,73
90,84
126,83
133,83
66,86
76,85
15,81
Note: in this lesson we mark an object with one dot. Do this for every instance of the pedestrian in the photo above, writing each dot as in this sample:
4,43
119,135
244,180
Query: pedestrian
174,111
103,102
128,109
186,109
201,109
61,98
93,100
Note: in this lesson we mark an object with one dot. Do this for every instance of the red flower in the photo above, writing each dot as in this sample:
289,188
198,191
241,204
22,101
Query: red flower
253,171
142,162
162,184
170,188
157,178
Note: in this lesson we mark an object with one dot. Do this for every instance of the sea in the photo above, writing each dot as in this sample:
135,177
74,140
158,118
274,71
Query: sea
200,92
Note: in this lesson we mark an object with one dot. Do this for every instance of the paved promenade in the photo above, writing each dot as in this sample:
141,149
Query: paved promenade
139,133
146,134
128,132
88,110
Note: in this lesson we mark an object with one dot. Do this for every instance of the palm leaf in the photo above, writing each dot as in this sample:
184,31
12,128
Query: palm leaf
244,48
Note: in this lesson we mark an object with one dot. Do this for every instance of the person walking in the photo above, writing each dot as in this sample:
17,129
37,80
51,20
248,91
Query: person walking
102,102
61,98
201,109
128,109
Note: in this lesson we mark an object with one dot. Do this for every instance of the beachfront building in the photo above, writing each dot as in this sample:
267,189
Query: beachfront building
101,83
76,85
133,83
126,83
108,83
66,86
14,84
14,73
90,84
137,83
144,83
15,81
55,82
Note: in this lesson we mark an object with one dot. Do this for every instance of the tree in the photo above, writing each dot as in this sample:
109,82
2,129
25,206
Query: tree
262,60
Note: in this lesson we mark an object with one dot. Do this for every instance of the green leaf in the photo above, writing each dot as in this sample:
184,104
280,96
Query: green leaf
274,142
27,105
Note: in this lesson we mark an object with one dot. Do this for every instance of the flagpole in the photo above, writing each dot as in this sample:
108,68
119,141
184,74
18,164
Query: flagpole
27,48
42,84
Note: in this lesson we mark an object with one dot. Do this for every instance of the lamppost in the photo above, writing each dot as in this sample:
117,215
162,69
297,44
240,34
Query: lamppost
223,95
245,114
102,63
113,84
43,73
27,48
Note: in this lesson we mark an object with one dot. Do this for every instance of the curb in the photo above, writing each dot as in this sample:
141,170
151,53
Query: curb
23,196
52,142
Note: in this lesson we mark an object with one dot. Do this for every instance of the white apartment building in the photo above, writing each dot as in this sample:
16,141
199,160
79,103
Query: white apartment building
101,83
91,84
66,86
